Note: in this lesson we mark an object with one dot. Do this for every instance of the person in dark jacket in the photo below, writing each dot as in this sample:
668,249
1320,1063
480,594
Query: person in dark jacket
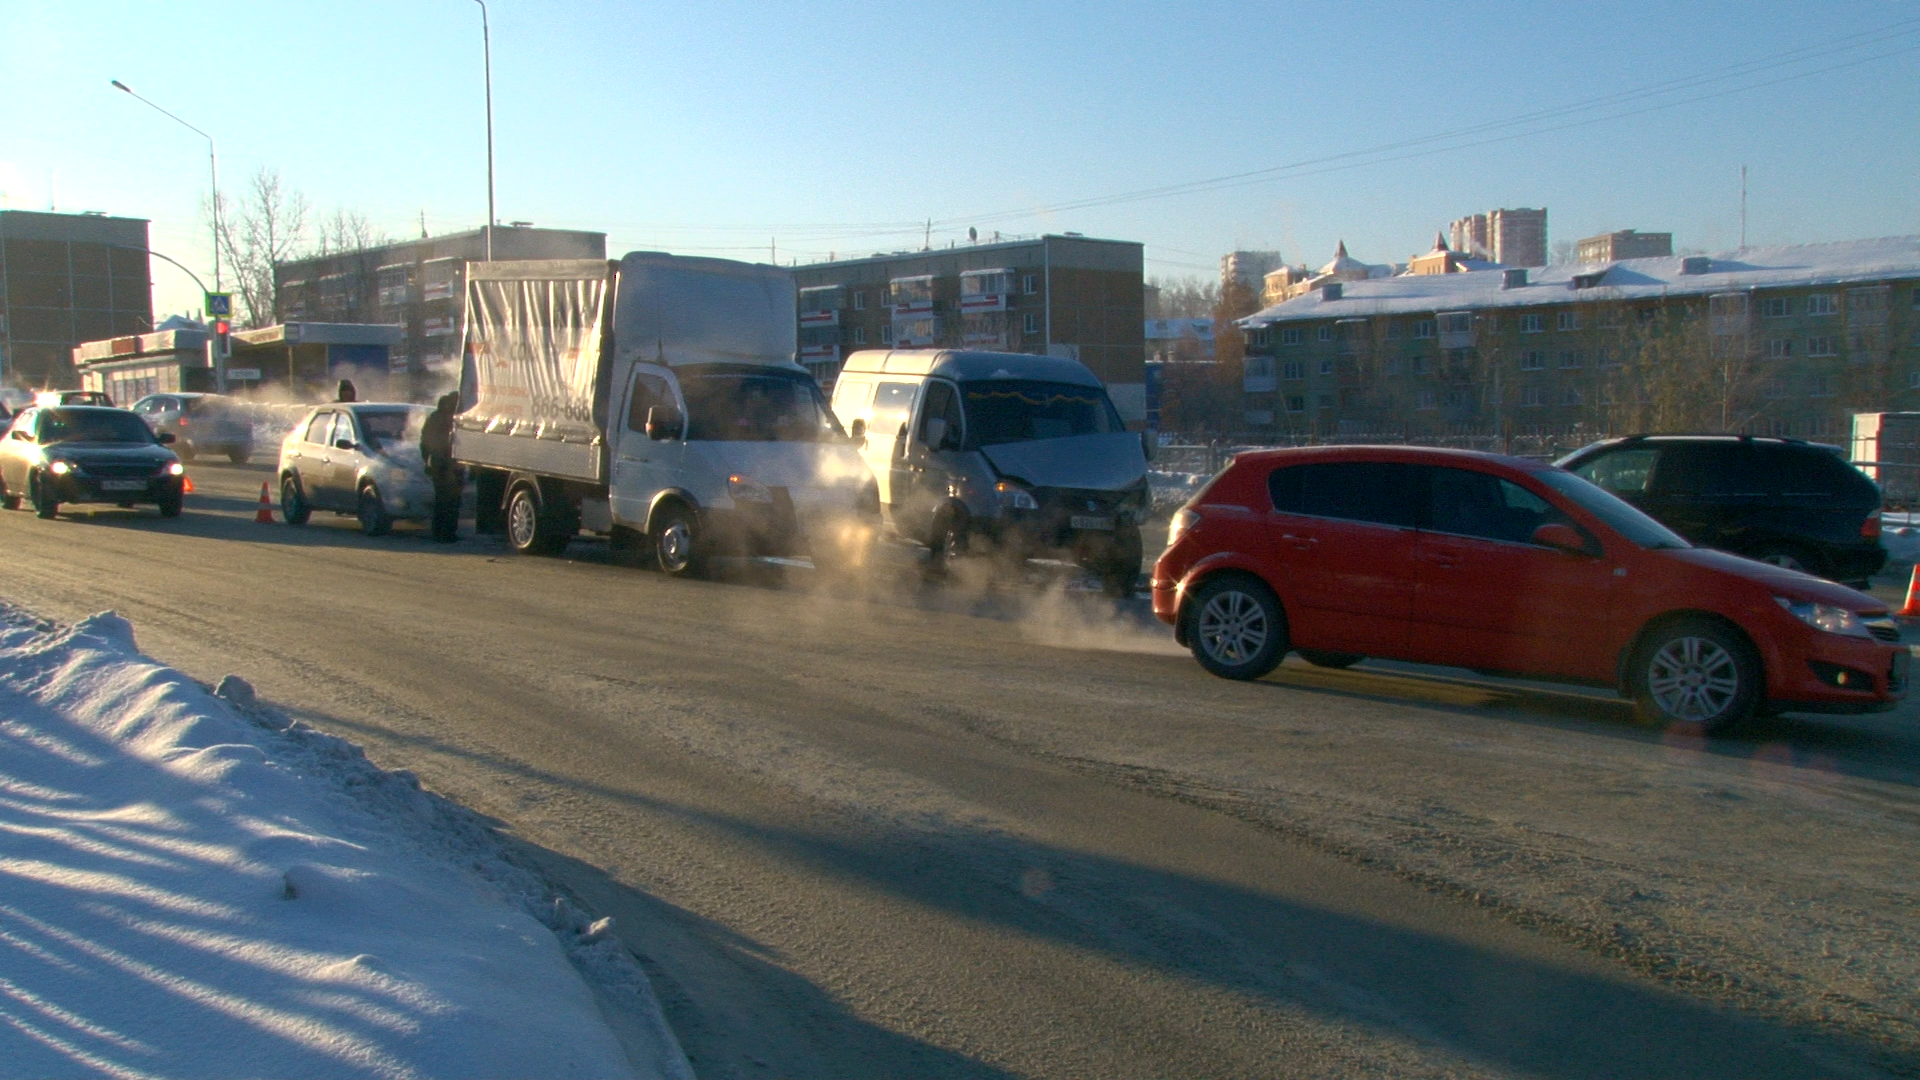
346,391
436,448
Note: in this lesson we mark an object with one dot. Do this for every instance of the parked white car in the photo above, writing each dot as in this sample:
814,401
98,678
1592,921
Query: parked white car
361,459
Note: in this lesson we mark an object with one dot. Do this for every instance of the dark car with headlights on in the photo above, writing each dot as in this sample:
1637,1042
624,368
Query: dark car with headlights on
86,453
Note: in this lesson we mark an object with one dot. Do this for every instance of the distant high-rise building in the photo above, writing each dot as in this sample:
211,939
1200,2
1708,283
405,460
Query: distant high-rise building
1249,268
1625,244
65,279
1516,237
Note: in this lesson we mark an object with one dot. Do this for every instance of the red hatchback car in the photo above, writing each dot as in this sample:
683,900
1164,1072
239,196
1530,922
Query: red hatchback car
1505,565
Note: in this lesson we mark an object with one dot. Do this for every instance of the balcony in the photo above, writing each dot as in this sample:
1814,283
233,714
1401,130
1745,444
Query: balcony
819,318
440,326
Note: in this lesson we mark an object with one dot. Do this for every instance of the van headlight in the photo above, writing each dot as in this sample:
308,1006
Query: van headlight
1834,620
747,489
1015,497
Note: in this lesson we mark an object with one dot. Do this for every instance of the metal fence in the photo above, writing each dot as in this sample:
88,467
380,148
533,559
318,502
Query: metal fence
1206,456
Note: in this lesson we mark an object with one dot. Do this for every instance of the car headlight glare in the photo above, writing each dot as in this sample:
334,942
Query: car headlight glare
174,468
1833,620
60,468
1016,497
747,489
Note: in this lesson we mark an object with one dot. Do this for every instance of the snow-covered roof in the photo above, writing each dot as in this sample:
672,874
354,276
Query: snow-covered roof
1794,265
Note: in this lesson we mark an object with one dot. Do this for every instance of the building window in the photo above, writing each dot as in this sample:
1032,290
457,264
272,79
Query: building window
1570,396
1423,328
1422,365
1259,367
1533,324
1457,322
886,334
1296,403
1030,284
1395,328
1823,304
1775,307
1030,323
1428,400
1779,348
1456,398
1532,397
1612,318
1290,335
1533,359
1569,320
1916,299
1259,337
1293,369
859,301
1572,358
1326,401
1820,346
1913,380
859,335
1326,367
1326,332
1776,388
1822,386
1393,366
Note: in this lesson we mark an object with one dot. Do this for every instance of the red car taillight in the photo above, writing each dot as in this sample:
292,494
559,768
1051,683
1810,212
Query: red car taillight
1870,528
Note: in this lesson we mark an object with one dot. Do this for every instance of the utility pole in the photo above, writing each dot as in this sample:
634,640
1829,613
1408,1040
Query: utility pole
1743,208
486,52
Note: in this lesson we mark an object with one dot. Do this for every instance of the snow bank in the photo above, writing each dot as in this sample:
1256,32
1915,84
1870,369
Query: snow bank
191,887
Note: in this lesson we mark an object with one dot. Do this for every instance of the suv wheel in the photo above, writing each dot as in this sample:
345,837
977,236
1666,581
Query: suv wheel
1788,557
1697,673
1236,628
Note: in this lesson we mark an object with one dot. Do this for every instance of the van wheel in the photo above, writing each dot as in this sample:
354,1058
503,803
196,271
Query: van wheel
677,545
1236,628
948,545
293,504
1322,658
1696,673
372,512
531,528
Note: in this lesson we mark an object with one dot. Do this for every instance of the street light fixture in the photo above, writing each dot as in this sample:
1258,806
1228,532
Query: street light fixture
486,51
213,169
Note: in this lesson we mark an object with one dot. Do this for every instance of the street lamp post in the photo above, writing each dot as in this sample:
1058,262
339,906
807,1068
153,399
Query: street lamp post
213,170
486,52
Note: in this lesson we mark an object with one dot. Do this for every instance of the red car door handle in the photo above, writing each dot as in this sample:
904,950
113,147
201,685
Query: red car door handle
1301,542
1443,561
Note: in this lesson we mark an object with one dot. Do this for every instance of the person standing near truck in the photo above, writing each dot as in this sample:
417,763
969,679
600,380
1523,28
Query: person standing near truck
436,448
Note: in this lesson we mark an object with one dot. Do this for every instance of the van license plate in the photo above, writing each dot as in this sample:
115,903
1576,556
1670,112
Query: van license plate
123,485
1104,524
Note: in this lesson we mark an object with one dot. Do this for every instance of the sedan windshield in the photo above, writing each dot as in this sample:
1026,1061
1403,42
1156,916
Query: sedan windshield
769,406
1619,514
1018,410
387,428
92,425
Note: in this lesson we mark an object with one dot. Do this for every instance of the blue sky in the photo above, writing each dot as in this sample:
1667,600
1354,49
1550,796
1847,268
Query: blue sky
722,127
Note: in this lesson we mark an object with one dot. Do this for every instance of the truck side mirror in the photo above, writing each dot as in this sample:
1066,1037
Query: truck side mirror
858,433
662,423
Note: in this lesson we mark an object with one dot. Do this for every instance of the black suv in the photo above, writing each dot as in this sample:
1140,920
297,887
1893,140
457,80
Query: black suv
1783,501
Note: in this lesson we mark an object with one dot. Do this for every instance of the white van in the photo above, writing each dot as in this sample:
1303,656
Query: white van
1021,455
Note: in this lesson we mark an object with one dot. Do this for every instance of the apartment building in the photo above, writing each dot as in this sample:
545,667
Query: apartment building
1516,237
1064,295
418,285
1808,334
65,279
1624,244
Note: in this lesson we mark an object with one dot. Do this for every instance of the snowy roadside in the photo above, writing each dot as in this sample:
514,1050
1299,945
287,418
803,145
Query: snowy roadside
190,886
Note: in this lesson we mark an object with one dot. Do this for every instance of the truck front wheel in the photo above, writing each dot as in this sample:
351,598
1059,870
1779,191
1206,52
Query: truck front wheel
677,542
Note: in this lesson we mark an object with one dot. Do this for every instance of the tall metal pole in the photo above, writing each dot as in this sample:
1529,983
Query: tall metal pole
213,171
486,51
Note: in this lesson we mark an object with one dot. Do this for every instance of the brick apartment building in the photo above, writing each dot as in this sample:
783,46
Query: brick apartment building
1055,295
65,279
1817,330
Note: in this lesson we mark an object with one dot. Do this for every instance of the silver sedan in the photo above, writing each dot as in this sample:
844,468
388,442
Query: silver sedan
361,459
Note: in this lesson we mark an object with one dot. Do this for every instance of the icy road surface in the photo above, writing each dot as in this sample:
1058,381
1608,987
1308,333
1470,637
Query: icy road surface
990,833
188,891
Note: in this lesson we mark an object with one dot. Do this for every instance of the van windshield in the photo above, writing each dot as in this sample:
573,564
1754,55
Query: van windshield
1018,410
770,406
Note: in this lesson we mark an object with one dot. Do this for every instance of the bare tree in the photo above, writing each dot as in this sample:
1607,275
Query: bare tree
1183,298
1675,374
265,227
353,241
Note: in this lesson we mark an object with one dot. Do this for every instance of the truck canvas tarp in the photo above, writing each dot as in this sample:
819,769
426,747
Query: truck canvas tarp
531,376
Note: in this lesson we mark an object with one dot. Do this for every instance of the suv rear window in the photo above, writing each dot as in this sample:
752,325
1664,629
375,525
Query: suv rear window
1806,470
1709,468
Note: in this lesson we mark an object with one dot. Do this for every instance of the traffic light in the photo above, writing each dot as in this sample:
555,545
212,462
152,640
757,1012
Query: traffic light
223,339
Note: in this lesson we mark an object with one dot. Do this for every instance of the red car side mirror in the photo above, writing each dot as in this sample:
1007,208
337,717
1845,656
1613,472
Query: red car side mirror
1562,537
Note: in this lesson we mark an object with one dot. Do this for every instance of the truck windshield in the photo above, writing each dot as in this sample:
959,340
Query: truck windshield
1017,410
92,425
756,407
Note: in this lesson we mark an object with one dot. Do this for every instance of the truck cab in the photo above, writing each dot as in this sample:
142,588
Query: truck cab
1020,455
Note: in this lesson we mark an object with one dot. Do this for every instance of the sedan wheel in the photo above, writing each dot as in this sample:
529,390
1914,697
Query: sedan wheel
1697,674
1238,630
374,520
293,504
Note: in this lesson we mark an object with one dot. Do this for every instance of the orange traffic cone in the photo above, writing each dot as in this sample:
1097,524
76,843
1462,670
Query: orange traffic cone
264,515
1912,610
186,484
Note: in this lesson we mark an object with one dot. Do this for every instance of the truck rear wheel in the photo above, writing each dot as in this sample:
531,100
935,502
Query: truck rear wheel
533,528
